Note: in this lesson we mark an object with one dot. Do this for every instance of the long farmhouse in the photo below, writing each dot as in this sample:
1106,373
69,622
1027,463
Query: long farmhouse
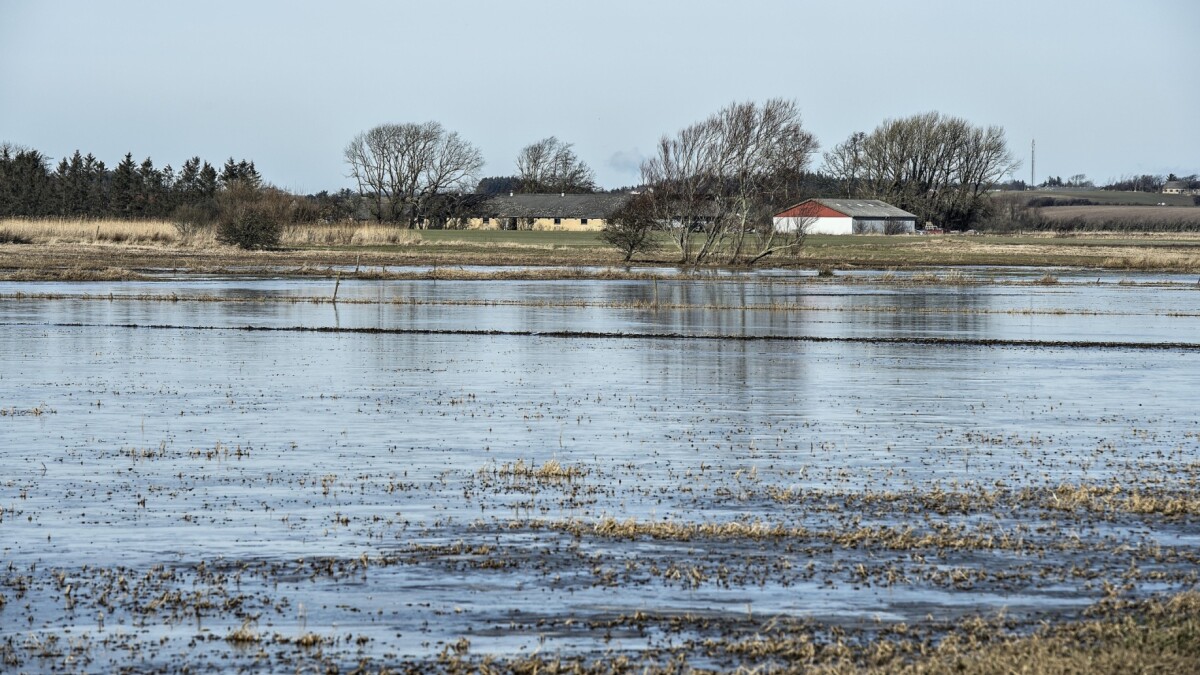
566,212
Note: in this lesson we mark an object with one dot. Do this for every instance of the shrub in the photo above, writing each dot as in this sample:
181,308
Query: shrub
8,236
248,218
189,219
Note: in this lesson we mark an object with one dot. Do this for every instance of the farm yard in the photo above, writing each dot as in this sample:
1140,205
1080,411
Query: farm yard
937,468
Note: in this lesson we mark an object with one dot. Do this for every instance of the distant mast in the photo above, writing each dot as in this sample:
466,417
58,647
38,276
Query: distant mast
1032,163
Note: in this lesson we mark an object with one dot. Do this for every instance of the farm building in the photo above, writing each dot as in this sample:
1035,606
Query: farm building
1179,187
845,216
571,212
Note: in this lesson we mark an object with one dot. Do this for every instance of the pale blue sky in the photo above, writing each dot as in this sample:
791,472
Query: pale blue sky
1106,87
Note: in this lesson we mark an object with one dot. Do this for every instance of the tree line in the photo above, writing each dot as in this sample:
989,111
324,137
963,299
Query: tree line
713,185
418,173
82,186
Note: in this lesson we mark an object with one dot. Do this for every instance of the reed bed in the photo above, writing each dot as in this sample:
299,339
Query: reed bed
81,231
349,235
161,233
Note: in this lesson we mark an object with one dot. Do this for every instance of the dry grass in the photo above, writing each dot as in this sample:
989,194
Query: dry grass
1049,251
1152,260
73,274
247,634
161,233
1113,498
1153,636
1158,637
130,232
549,471
348,235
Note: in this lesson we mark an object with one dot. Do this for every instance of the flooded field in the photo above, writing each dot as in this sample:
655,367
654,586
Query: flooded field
761,470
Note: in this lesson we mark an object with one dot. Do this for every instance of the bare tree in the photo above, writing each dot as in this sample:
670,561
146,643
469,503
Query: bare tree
631,228
844,162
550,165
402,168
938,167
718,182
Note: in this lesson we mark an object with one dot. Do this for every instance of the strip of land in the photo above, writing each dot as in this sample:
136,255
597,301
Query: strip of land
116,250
599,335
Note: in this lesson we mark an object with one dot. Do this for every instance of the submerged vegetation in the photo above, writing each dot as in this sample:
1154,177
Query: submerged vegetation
383,469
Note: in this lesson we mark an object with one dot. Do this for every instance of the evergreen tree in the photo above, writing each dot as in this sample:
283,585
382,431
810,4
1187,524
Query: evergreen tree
124,192
62,201
26,184
240,172
98,180
187,185
151,194
208,183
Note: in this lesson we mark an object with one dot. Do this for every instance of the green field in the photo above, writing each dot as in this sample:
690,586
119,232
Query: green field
1180,252
1104,197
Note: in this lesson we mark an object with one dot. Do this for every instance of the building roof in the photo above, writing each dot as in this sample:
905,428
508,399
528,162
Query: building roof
864,208
600,205
1176,185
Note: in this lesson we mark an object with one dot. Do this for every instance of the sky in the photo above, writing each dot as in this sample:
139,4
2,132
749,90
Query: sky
1107,88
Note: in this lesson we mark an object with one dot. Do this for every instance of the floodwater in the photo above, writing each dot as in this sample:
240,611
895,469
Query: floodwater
578,468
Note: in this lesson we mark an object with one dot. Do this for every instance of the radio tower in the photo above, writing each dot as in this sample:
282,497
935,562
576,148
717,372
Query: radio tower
1032,163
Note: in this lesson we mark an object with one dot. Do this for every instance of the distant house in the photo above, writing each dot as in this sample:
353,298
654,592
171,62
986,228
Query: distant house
1179,187
566,212
845,216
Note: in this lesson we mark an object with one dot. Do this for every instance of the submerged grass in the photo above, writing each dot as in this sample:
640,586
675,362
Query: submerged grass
663,305
550,470
1159,635
74,274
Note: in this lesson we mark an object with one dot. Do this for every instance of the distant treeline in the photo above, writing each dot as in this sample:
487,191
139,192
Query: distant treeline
1152,183
82,186
1131,183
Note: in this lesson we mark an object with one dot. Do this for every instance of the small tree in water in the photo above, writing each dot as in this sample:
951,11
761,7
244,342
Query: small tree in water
631,229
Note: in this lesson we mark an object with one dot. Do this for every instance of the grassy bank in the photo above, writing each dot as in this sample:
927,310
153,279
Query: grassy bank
62,249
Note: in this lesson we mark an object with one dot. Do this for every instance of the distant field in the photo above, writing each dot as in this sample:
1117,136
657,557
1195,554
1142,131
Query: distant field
1147,214
1105,197
1114,219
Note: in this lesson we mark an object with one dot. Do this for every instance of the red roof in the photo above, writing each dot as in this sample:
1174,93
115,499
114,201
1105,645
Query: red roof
810,209
868,209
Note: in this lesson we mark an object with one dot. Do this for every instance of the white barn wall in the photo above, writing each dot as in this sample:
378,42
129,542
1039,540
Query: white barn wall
864,226
816,225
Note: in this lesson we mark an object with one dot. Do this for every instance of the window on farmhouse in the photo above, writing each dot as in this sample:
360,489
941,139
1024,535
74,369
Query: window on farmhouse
558,221
583,221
